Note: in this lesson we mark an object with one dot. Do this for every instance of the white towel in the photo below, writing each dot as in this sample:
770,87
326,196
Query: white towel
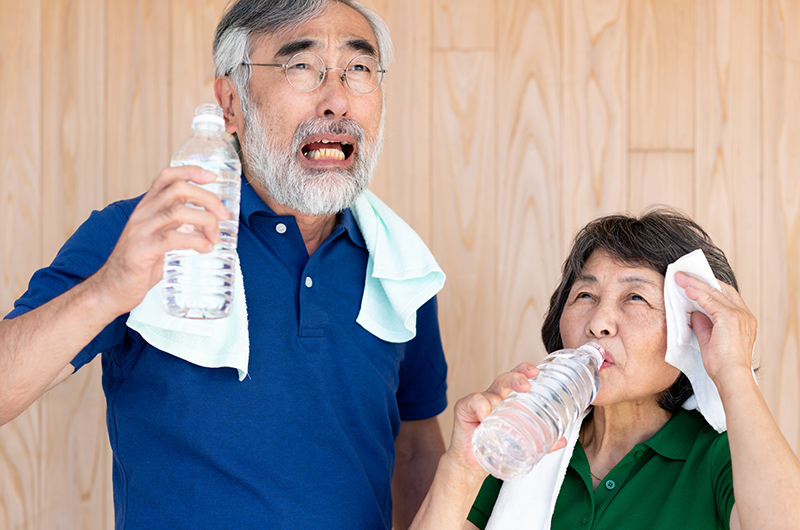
528,502
683,350
401,276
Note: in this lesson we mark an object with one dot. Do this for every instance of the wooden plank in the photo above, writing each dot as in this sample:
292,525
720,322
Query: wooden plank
728,184
464,237
594,129
661,177
20,471
193,25
779,328
21,141
138,95
464,24
76,457
661,74
528,159
21,254
403,176
74,170
73,106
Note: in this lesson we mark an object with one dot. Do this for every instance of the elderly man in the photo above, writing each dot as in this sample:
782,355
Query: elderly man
333,422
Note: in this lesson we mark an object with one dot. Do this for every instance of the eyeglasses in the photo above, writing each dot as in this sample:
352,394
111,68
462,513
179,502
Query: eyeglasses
306,71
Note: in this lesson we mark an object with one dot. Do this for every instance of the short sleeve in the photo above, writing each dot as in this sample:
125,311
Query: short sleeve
484,502
722,479
422,390
80,257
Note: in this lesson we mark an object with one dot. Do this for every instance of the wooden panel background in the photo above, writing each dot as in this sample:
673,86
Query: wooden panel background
510,123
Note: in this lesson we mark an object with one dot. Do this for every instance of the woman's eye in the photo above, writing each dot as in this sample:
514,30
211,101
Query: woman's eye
583,295
637,297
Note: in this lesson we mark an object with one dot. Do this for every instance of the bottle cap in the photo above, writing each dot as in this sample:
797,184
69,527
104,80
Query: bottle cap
208,113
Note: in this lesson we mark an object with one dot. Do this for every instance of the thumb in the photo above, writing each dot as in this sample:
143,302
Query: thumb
702,327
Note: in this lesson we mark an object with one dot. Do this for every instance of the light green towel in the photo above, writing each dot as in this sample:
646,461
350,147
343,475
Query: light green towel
401,276
214,343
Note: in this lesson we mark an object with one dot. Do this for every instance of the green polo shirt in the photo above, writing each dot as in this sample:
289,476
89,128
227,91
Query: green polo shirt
680,478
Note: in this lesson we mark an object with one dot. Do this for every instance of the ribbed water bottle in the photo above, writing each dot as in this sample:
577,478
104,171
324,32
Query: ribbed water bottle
201,285
519,432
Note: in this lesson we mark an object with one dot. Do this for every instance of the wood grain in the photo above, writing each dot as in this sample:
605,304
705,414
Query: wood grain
193,24
73,110
661,177
20,233
594,128
464,240
728,180
661,74
138,95
403,176
464,24
779,331
20,147
74,62
528,160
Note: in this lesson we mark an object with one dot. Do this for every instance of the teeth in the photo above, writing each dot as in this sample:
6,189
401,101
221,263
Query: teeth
327,154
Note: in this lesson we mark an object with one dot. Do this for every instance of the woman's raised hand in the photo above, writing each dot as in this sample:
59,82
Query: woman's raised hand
728,341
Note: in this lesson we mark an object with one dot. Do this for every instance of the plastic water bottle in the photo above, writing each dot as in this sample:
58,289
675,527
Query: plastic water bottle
201,285
519,432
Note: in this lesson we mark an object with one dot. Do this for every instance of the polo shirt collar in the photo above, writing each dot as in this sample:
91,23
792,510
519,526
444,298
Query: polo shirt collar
252,204
677,437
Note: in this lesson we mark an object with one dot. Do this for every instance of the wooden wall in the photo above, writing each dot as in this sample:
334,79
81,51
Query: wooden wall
510,124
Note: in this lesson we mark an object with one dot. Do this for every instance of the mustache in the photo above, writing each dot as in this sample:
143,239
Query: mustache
327,126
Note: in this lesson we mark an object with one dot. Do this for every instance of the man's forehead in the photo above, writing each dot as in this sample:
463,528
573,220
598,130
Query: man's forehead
338,25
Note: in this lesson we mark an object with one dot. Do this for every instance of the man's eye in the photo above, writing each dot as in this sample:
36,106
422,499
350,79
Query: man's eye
300,66
360,68
637,297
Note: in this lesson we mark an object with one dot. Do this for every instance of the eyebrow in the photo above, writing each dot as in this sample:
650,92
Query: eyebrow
295,46
302,45
634,278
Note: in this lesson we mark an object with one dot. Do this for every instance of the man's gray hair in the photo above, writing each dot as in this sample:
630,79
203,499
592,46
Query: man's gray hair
248,20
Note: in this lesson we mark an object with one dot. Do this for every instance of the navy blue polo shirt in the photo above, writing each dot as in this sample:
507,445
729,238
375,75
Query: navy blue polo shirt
307,439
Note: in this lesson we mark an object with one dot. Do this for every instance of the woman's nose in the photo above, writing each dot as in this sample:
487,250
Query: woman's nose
603,321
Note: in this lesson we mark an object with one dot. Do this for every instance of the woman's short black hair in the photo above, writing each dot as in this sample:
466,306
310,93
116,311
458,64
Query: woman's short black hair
656,238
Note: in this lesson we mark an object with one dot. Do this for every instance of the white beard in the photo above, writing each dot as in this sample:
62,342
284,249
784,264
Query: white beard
310,191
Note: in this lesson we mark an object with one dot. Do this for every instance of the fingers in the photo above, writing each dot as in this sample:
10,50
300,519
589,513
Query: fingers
176,213
176,186
515,381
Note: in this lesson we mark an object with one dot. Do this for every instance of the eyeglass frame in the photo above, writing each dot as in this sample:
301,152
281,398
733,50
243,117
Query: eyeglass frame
324,72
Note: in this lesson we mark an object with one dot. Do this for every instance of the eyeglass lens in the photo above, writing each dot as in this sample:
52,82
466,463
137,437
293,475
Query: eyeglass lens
305,71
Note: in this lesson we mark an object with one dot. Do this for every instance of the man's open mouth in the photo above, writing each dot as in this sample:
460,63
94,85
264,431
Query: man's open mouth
328,150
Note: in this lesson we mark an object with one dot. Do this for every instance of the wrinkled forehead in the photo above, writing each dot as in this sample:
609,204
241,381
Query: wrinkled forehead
338,28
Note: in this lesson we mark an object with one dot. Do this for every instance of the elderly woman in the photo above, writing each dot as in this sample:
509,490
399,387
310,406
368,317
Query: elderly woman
641,460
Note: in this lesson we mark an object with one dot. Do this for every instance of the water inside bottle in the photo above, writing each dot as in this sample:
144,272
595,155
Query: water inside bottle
201,285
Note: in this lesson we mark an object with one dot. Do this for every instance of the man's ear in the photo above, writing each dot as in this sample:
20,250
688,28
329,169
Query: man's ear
228,99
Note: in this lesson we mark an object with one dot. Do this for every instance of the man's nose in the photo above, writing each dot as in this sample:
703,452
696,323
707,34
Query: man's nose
603,320
335,100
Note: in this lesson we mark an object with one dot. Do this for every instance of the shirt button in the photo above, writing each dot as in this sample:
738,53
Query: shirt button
280,228
585,519
610,484
638,454
309,282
